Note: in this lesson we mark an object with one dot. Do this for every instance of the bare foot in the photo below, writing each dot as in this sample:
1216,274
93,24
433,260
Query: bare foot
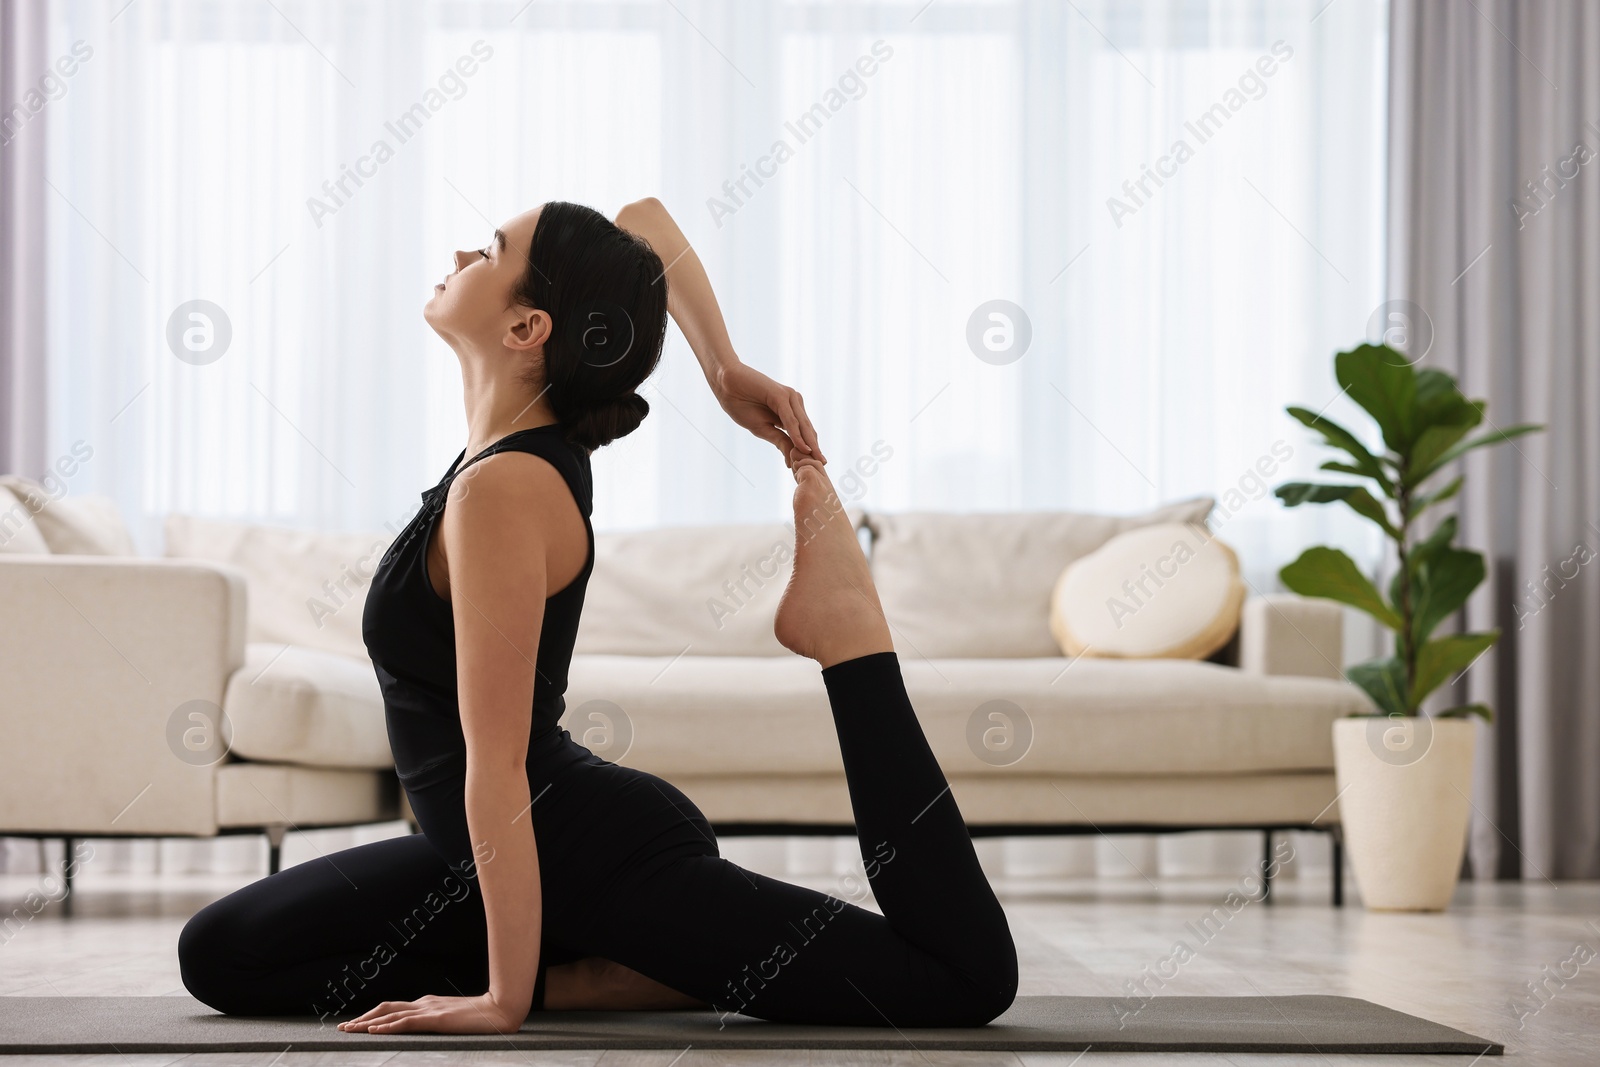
829,611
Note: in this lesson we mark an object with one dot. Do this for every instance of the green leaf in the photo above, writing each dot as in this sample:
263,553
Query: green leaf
1425,550
1444,417
1423,503
1361,502
1461,711
1342,468
1438,660
1384,680
1431,443
1492,438
1440,402
1421,554
1366,464
1293,494
1330,574
1383,382
1367,506
1441,586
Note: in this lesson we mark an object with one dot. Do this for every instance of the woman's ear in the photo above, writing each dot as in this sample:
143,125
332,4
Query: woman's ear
529,331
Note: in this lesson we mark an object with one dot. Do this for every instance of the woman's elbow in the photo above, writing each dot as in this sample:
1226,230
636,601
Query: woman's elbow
640,211
497,772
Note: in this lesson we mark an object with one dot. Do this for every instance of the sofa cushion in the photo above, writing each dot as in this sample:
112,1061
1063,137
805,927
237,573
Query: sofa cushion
289,704
19,533
260,794
1169,591
688,590
307,587
705,715
88,524
1198,800
979,584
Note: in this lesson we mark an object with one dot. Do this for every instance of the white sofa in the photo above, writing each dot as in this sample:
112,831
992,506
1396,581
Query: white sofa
676,671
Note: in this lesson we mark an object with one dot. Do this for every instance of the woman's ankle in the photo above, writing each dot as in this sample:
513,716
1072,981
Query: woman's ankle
845,650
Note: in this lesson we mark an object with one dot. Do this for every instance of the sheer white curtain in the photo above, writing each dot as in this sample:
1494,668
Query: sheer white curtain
936,156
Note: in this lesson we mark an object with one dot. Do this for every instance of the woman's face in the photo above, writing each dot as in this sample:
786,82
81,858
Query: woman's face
473,304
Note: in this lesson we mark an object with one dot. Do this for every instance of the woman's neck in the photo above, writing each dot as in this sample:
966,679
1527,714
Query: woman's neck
497,409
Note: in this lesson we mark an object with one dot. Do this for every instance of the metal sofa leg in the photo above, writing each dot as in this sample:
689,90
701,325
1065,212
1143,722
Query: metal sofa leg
66,872
275,834
1266,866
1336,840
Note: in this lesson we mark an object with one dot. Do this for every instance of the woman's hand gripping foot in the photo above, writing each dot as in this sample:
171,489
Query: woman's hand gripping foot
829,611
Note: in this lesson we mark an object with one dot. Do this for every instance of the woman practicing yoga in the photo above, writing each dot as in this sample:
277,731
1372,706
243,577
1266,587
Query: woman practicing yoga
545,877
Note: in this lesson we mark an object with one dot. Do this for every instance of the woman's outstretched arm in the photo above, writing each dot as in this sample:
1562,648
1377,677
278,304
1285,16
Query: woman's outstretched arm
772,411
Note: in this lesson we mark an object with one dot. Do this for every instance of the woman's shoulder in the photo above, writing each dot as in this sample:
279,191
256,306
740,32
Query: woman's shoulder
554,460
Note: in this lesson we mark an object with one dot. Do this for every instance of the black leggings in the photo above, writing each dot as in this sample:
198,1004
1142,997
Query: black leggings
631,873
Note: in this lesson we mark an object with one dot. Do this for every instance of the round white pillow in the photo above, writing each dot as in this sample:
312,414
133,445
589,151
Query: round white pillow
1167,591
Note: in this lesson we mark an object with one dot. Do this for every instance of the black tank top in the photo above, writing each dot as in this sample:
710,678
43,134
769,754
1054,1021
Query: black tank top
410,632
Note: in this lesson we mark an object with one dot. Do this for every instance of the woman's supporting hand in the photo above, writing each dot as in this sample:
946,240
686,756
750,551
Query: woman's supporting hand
772,411
438,1015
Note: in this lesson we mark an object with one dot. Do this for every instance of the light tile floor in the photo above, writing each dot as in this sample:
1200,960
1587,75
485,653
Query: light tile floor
1472,967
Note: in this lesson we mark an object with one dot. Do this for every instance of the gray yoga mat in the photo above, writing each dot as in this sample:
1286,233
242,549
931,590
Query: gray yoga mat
122,1025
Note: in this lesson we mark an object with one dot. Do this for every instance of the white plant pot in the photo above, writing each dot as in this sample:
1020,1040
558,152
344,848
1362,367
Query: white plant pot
1404,788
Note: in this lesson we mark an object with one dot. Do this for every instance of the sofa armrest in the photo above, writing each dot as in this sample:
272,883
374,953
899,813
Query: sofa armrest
1286,634
97,655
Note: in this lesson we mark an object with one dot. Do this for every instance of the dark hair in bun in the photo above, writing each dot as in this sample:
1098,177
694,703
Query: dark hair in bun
605,290
605,422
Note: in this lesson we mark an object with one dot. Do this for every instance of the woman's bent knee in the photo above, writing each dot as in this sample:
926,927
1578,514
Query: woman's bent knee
207,962
994,1004
993,990
981,1005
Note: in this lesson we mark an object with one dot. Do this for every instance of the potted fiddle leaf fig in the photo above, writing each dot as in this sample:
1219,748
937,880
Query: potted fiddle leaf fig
1404,778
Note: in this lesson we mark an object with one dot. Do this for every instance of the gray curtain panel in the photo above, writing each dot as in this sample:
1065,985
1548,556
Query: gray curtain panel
24,106
1494,240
